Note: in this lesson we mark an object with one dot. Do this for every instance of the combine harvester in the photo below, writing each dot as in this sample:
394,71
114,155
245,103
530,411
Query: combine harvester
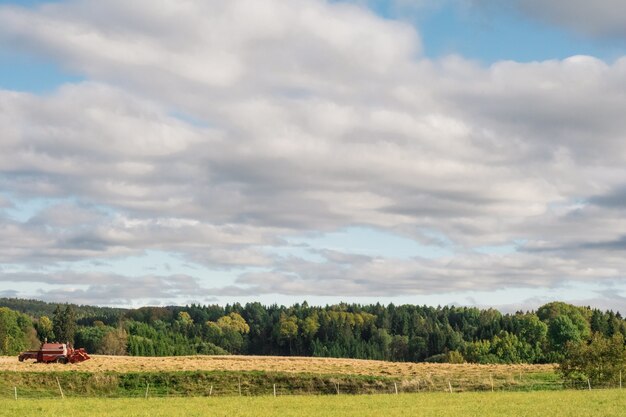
55,352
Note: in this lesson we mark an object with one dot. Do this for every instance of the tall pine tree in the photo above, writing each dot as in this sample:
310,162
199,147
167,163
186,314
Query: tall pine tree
64,324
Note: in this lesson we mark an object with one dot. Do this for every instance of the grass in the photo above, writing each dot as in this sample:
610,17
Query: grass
606,403
123,376
231,383
184,383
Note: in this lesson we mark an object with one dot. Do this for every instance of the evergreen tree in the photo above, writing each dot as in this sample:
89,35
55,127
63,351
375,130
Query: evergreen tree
64,324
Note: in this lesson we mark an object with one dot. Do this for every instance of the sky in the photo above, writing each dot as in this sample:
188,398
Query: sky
449,152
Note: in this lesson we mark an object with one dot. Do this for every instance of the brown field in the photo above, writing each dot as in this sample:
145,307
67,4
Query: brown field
100,363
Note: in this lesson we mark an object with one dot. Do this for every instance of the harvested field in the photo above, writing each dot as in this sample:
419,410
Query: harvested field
327,366
256,375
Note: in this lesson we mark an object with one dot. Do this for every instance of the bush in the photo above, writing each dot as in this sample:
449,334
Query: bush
454,356
600,360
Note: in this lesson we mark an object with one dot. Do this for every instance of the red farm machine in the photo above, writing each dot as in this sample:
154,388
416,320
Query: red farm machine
55,352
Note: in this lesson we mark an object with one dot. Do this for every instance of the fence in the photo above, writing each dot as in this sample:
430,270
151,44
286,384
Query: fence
17,385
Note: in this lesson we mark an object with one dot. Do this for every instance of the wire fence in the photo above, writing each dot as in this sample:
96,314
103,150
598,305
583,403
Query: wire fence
68,385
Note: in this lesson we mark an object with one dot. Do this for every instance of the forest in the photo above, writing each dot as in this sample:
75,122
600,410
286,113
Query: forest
384,332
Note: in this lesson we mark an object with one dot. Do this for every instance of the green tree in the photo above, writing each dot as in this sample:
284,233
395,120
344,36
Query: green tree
382,341
90,338
580,317
212,332
288,329
310,326
227,332
16,332
599,322
44,329
234,322
532,330
508,348
399,348
64,324
600,360
185,319
478,352
418,348
258,319
562,331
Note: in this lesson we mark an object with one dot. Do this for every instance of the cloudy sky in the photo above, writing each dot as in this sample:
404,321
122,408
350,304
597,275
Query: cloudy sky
468,152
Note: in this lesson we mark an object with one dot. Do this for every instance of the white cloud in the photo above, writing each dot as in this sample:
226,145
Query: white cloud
354,276
311,117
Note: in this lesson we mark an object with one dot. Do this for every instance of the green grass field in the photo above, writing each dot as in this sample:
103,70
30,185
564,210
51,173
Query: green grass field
605,403
75,383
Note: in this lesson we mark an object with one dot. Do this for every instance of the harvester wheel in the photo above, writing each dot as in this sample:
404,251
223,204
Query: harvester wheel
61,360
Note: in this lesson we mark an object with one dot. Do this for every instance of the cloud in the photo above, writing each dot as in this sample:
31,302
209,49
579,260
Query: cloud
347,275
109,289
601,18
213,48
67,233
9,294
615,199
218,130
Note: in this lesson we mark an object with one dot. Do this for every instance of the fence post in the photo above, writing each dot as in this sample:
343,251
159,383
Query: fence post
418,385
60,390
395,384
211,391
491,380
239,383
589,384
15,390
450,386
274,390
147,388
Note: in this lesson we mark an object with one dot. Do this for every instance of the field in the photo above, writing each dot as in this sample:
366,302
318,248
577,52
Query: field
244,386
124,376
607,403
100,363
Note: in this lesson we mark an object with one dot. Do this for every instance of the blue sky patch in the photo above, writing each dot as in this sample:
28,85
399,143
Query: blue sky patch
20,71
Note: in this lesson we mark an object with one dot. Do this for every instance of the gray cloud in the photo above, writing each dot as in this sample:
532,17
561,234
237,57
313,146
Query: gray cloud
615,199
9,294
356,275
109,289
604,300
597,18
310,117
57,235
619,244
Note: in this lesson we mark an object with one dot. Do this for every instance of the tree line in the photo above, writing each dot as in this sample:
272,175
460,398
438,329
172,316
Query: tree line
555,333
